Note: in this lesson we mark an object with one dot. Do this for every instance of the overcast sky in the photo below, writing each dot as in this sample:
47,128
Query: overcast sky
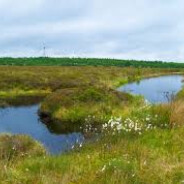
127,29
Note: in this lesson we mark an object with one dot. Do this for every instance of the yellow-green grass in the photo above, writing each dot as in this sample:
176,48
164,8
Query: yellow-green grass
20,82
18,92
22,97
155,157
53,78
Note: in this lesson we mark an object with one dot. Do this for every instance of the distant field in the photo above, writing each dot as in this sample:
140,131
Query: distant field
47,61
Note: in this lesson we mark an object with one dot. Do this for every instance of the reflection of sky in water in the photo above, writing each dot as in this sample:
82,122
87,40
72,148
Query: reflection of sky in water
153,89
24,120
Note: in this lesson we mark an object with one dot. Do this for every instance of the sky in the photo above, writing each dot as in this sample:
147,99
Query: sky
123,29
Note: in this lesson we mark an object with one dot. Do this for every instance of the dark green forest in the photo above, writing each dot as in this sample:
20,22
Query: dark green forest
48,61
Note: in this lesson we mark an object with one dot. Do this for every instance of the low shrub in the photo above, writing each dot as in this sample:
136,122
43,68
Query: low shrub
73,106
15,146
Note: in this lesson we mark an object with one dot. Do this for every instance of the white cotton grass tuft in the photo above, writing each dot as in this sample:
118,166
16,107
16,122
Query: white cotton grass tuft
129,125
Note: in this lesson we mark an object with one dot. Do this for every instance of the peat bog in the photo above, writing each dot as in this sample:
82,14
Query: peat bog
137,139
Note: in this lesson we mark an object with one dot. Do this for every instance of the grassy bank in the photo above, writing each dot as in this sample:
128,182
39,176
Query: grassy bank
154,156
73,107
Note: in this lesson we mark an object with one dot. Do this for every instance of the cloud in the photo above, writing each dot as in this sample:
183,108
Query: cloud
127,29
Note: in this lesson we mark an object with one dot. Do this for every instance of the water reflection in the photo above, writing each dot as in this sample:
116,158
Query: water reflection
155,90
25,120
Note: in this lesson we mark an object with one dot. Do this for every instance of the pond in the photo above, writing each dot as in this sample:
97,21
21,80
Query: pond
157,89
25,120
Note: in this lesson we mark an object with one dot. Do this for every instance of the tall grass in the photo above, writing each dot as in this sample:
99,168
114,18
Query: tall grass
155,156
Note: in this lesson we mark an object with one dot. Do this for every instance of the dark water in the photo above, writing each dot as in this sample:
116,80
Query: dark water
25,120
155,90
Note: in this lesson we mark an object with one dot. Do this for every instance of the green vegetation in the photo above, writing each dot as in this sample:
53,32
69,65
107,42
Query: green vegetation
155,156
47,61
36,82
138,143
74,106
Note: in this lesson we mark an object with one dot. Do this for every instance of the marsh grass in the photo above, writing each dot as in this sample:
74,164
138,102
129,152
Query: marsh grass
74,106
153,157
122,154
39,81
